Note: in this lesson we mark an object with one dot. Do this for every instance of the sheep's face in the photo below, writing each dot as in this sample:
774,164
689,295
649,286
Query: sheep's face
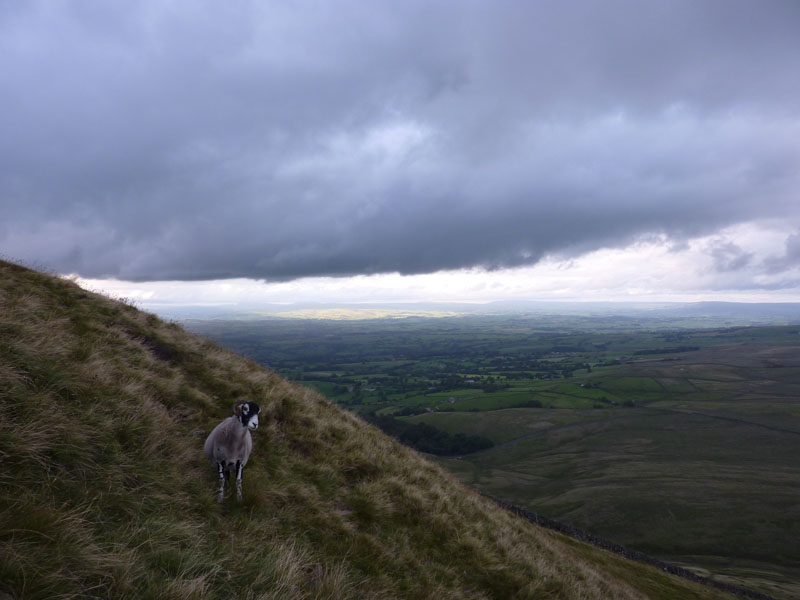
249,416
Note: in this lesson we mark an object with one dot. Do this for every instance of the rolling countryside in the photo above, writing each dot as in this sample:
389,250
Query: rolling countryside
675,437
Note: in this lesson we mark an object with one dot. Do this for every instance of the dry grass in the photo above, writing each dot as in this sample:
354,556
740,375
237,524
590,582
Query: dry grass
104,492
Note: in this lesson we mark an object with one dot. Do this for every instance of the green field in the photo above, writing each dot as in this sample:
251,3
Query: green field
677,442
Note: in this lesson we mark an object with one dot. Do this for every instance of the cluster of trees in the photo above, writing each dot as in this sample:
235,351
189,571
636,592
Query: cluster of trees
410,411
426,438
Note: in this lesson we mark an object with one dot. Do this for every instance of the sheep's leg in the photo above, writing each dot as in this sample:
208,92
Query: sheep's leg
222,477
239,471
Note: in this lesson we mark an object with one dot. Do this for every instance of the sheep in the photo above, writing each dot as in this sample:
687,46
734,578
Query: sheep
230,444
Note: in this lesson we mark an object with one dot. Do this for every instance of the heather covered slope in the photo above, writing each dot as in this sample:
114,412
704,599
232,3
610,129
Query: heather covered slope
104,492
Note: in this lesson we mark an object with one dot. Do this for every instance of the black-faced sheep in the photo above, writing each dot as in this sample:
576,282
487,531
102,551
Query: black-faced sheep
229,444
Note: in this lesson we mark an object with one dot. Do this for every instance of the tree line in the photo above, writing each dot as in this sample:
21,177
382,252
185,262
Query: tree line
427,438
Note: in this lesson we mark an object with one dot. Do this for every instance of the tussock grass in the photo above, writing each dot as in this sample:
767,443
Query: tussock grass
104,492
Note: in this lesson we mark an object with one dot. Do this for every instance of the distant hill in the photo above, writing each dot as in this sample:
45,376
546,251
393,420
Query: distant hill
742,310
104,491
694,314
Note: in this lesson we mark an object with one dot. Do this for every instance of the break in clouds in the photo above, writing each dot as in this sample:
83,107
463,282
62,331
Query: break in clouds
205,140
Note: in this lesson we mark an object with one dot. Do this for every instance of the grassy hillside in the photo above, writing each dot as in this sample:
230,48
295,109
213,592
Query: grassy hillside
104,492
702,472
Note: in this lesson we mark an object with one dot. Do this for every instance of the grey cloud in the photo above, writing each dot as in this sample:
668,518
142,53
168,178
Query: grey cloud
790,258
163,141
727,256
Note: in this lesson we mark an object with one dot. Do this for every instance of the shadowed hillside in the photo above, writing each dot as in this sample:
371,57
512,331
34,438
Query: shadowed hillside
104,491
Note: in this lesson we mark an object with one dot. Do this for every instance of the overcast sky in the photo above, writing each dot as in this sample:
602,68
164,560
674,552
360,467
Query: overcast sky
398,150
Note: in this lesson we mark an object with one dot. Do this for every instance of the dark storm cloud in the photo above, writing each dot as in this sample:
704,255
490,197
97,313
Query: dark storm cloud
198,140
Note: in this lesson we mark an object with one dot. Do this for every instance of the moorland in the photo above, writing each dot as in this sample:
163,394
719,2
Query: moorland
676,437
105,492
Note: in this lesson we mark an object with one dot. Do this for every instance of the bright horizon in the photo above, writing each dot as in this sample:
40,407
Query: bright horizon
650,271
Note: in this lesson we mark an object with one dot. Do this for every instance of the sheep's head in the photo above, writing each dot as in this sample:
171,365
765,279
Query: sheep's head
247,413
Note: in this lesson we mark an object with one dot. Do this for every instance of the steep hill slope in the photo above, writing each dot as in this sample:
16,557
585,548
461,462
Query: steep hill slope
104,492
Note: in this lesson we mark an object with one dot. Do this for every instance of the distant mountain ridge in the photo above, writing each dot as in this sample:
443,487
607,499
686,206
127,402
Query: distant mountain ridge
743,309
742,312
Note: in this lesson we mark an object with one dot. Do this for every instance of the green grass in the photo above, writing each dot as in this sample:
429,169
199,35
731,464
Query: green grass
503,426
674,485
